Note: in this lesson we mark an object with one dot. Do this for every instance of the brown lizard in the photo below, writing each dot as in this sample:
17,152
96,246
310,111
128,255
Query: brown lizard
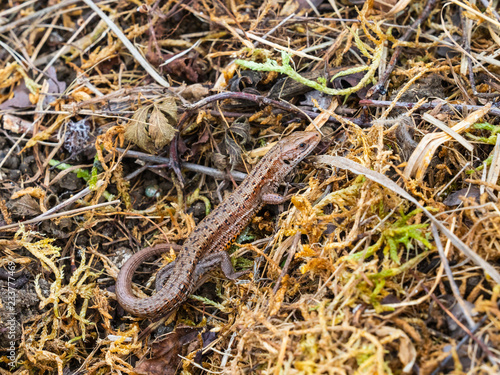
206,245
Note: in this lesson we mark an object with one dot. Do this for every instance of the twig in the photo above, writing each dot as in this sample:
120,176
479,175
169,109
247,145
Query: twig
249,35
494,171
16,8
153,326
67,202
175,161
66,48
476,12
262,100
256,43
65,213
453,179
227,352
215,173
279,47
453,107
140,59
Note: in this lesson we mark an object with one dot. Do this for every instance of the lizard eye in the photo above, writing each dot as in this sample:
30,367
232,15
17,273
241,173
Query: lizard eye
302,145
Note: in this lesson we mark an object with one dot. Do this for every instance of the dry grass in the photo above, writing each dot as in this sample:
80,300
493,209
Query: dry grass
375,267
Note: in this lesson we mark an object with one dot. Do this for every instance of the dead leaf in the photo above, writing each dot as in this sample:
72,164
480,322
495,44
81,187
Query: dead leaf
457,197
24,206
352,80
290,7
166,353
155,132
309,4
207,338
169,107
423,154
160,129
202,140
19,100
183,67
55,86
220,161
136,131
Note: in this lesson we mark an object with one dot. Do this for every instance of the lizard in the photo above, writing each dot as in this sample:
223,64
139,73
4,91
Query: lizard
206,246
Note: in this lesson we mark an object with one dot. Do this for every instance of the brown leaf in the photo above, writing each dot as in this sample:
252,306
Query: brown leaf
169,107
24,206
291,6
160,130
157,131
136,131
457,197
308,4
165,353
202,140
233,149
351,80
182,68
407,353
219,160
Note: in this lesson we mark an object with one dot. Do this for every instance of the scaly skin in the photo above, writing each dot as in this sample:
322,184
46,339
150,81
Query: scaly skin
216,231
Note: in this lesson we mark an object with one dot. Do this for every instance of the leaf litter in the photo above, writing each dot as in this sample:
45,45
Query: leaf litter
124,124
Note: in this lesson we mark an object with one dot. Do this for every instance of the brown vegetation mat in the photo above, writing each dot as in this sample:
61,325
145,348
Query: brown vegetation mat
124,123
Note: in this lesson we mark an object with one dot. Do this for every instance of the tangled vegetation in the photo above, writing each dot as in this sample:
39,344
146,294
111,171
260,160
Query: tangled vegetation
124,123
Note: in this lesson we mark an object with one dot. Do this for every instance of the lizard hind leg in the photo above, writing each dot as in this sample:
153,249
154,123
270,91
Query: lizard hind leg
227,267
204,265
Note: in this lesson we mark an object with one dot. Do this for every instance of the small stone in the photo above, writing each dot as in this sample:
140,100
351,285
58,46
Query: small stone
14,174
12,162
24,168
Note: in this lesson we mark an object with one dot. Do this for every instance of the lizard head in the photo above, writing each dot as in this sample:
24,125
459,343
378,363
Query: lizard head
297,146
282,158
287,153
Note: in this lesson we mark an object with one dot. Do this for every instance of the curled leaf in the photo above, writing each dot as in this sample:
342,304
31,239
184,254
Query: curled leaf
160,130
136,131
151,127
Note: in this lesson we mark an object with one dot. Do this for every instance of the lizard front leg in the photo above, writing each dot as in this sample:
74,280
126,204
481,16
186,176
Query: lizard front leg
268,195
